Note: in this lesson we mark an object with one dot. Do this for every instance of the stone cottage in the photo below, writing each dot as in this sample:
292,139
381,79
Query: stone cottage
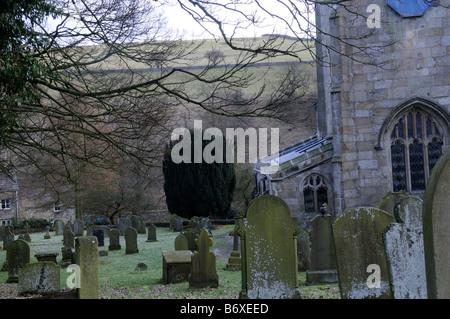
383,110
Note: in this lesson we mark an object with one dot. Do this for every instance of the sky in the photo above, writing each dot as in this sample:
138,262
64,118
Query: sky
179,19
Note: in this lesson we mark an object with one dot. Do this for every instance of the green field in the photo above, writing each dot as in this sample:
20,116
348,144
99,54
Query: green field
120,280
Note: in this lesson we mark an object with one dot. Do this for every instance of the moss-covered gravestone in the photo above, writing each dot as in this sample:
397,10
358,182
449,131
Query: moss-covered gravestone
114,240
42,277
17,255
203,265
436,229
131,245
323,259
390,200
404,249
181,242
86,257
268,250
360,253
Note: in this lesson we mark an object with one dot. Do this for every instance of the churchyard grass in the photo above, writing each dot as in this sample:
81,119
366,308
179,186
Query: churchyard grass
119,279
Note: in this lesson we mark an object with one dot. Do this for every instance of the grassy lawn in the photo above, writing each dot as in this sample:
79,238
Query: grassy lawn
119,279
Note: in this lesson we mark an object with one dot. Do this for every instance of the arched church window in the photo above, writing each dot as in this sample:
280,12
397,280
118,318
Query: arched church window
416,145
315,193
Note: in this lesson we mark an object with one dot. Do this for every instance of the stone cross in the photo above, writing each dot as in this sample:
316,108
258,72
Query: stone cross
203,268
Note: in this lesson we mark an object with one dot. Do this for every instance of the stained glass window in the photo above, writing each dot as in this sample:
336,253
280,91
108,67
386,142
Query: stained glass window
416,145
315,193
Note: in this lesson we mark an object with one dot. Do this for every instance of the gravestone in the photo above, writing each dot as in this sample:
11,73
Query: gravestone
178,224
234,261
47,234
18,254
2,231
404,249
67,251
141,225
123,224
303,250
323,259
203,265
141,267
27,236
114,240
191,236
131,245
69,224
176,266
78,228
151,233
42,277
134,221
86,257
359,246
8,238
59,227
390,200
181,242
171,219
268,250
100,236
436,225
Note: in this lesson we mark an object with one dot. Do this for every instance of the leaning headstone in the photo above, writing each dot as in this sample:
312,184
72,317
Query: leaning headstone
323,259
176,266
100,236
436,225
404,249
86,257
178,224
181,242
203,265
303,250
78,228
59,227
123,224
131,245
18,254
268,250
191,236
42,277
114,240
151,233
360,253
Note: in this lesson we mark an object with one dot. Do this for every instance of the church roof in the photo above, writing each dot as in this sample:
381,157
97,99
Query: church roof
294,154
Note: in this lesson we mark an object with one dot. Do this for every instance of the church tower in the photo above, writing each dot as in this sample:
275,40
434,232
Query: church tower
383,111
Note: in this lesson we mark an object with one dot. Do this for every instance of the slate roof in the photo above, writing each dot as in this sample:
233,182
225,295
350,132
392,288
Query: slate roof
8,184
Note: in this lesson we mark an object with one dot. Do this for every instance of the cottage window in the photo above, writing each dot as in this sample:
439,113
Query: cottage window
5,204
416,145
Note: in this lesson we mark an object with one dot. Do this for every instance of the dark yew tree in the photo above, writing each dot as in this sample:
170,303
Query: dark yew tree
198,189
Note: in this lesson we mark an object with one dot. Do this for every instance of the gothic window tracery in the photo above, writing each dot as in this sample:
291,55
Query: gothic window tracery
416,145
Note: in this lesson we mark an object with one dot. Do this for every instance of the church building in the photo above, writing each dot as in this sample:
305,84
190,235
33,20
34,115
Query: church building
383,109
